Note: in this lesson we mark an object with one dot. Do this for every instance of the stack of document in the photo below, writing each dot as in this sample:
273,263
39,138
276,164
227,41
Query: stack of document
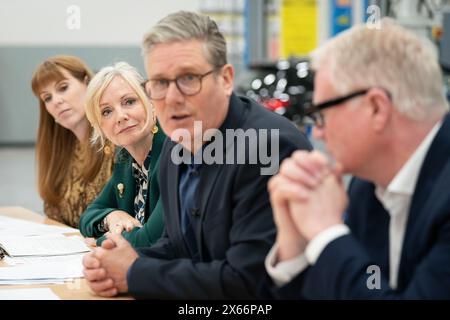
47,245
60,271
39,253
19,227
14,261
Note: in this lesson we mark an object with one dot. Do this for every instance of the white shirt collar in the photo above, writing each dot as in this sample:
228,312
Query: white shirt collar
396,199
404,182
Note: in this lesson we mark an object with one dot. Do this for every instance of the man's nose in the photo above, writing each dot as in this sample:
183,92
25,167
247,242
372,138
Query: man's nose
173,94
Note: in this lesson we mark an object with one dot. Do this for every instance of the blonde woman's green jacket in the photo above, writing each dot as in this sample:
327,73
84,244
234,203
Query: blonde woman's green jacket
121,197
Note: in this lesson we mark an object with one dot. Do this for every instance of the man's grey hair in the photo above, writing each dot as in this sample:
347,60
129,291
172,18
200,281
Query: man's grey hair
392,58
184,26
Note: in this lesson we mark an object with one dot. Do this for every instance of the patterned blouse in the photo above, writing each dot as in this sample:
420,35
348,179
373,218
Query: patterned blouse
141,176
78,194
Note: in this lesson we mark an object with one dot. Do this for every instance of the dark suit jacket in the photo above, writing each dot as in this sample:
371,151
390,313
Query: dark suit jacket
424,271
110,199
236,225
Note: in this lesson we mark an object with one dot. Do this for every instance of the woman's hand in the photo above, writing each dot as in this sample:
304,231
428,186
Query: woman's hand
91,242
119,220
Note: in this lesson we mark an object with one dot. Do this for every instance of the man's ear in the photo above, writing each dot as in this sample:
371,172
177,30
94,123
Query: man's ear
228,78
381,108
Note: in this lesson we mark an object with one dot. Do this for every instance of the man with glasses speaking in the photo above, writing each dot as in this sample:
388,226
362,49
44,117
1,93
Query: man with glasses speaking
381,111
213,176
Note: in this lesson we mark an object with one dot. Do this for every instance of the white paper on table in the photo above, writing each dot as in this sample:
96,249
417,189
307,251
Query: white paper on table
48,245
28,294
19,227
72,258
52,270
36,281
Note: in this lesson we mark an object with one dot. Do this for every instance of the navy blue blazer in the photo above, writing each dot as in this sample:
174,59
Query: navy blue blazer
236,228
424,270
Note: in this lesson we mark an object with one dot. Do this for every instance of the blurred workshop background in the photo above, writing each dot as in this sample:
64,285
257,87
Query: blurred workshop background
268,43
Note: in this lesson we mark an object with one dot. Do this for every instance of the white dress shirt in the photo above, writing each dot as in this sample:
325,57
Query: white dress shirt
396,199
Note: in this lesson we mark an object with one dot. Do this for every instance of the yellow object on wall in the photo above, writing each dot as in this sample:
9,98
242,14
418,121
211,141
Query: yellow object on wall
298,27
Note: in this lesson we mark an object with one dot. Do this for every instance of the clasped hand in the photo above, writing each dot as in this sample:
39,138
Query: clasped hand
307,197
105,268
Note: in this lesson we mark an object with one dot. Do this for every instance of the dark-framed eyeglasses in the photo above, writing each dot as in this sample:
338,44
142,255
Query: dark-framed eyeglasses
314,111
189,84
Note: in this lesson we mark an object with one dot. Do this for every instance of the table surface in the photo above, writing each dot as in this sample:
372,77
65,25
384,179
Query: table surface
77,290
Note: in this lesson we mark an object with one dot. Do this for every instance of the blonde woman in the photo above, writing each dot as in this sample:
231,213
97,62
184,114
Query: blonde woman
70,170
120,112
